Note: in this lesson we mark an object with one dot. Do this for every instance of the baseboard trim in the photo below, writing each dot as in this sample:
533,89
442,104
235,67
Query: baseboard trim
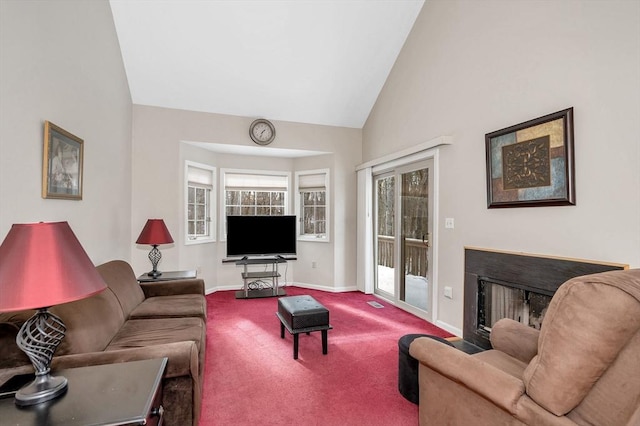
451,329
323,288
221,288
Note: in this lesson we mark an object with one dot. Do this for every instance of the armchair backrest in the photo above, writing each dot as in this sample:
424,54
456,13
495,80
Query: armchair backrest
587,350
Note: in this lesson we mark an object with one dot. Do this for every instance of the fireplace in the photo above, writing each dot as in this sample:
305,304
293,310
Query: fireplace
514,285
497,300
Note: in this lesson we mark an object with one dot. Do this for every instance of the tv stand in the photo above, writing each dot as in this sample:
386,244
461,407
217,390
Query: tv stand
255,284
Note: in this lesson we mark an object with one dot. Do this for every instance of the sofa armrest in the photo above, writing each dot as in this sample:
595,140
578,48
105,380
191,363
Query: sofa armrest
170,288
495,385
182,358
515,339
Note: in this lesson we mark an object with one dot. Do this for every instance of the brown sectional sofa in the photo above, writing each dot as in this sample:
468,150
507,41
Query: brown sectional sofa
129,321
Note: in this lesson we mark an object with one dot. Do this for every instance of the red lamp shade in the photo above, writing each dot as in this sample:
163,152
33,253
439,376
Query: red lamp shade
155,232
42,265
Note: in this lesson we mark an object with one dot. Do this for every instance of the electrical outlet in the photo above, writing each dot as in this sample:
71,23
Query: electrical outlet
448,292
448,223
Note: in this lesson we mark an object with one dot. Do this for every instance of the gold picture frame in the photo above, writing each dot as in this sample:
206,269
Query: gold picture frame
61,164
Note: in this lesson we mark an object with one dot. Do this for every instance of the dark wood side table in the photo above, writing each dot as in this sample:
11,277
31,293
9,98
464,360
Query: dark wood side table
128,393
168,276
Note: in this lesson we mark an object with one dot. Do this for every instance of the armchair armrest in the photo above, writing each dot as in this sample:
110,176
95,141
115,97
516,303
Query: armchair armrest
515,339
170,288
495,385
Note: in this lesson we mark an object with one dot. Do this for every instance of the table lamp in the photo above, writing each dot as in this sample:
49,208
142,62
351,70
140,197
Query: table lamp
42,265
155,232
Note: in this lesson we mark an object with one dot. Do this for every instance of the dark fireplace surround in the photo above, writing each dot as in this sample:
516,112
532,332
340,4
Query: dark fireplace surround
535,278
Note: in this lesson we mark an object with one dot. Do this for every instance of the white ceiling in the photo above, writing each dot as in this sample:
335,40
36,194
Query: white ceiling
309,61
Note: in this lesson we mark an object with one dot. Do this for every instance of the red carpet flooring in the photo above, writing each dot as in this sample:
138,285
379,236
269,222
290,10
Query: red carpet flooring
251,377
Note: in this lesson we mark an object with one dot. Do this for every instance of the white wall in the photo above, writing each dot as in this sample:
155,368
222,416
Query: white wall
469,68
60,61
158,157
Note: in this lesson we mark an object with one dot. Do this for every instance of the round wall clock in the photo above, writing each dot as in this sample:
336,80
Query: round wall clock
262,131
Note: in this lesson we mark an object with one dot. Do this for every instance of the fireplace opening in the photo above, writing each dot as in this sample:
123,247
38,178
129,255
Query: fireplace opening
498,299
519,286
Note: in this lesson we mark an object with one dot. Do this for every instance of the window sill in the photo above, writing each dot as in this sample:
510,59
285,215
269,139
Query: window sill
190,242
313,239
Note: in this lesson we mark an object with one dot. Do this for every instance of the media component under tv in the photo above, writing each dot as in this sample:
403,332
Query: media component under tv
261,235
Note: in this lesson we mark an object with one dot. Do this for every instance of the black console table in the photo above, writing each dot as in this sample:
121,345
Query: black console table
168,276
254,282
128,393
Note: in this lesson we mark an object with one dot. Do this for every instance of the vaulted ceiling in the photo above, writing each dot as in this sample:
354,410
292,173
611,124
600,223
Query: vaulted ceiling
309,61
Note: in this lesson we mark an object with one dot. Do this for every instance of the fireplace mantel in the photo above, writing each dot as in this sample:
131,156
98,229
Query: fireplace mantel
536,273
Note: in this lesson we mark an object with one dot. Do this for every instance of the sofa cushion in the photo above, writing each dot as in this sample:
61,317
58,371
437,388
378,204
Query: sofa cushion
122,281
145,332
91,323
178,306
141,333
581,335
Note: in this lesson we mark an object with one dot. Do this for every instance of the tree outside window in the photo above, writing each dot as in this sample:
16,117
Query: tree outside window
314,213
254,203
197,207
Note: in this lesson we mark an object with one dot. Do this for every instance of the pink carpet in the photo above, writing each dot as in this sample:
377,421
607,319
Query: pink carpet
251,377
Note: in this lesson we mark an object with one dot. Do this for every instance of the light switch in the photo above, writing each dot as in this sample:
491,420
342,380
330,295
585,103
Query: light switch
448,292
448,223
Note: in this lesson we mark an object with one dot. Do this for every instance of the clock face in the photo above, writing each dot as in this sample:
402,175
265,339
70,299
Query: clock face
262,132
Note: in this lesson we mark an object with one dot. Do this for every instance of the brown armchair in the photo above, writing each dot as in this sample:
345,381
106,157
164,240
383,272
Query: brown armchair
582,368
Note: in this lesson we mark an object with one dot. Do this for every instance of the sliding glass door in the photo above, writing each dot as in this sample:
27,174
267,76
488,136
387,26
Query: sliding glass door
385,235
403,234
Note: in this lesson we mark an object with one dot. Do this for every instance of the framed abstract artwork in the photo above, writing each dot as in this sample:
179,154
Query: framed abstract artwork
61,164
531,164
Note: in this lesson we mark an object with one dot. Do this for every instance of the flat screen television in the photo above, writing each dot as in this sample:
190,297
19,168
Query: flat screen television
261,235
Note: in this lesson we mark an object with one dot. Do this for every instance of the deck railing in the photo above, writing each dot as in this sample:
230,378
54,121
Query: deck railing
415,255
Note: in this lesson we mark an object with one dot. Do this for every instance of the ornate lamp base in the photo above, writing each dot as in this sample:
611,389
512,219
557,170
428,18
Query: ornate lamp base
39,337
42,389
154,257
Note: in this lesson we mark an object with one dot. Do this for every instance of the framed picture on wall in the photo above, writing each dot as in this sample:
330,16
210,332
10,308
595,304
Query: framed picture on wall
531,164
61,164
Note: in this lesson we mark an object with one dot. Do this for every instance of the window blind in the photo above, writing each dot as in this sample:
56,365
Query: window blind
312,182
201,177
244,181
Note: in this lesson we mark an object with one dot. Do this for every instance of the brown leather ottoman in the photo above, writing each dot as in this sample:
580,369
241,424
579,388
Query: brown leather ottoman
303,314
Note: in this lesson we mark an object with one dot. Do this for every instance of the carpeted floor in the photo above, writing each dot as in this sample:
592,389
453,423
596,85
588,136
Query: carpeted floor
251,377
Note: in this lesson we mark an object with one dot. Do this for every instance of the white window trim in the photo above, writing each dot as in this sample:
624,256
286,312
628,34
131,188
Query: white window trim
212,205
223,188
327,181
